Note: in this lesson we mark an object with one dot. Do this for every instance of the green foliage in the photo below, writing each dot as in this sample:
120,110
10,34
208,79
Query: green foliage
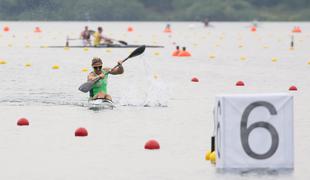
139,10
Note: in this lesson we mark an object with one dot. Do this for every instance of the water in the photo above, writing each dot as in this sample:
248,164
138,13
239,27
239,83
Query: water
155,98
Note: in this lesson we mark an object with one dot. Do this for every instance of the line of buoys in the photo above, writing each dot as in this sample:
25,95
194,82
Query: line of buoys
23,122
293,88
296,29
6,28
152,145
37,30
240,83
81,132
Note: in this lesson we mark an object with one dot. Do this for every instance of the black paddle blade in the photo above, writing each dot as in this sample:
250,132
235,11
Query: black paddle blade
123,42
137,52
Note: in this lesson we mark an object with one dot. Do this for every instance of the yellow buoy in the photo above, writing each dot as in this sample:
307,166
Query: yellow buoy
85,49
309,62
84,70
2,62
212,56
213,157
55,67
66,48
108,50
207,157
44,46
242,58
274,59
27,46
27,65
156,53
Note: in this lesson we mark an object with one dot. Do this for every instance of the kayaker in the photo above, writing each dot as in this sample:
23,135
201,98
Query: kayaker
85,36
99,90
99,38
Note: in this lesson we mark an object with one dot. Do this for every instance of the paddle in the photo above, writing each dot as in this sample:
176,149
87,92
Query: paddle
89,84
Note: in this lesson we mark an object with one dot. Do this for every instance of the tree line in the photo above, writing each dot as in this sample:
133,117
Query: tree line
155,10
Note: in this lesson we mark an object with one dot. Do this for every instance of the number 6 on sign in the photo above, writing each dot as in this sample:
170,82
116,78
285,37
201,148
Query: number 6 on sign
254,131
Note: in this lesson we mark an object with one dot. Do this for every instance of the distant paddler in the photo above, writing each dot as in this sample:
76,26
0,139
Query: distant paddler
85,36
99,39
99,89
206,22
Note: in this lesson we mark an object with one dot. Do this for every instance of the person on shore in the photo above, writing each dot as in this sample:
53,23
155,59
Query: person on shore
99,39
99,89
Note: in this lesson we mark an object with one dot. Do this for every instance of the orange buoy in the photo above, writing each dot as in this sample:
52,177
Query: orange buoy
81,132
184,53
296,29
240,83
151,144
6,29
23,122
293,88
37,29
194,79
253,29
129,29
176,52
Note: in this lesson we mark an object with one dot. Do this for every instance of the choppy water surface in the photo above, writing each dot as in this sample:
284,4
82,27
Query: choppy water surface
155,98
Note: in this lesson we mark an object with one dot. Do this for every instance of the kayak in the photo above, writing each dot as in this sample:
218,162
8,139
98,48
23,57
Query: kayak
99,104
107,46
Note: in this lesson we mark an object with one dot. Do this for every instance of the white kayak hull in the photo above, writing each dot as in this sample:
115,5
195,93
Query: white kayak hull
98,104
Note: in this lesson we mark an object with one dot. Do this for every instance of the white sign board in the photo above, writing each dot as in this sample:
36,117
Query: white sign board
254,131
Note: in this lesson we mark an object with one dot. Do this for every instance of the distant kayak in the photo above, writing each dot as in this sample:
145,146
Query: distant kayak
108,46
99,104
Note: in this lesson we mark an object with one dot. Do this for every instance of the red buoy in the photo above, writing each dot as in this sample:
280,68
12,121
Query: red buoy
6,29
152,144
81,132
37,29
194,79
293,88
23,122
240,83
253,29
129,29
